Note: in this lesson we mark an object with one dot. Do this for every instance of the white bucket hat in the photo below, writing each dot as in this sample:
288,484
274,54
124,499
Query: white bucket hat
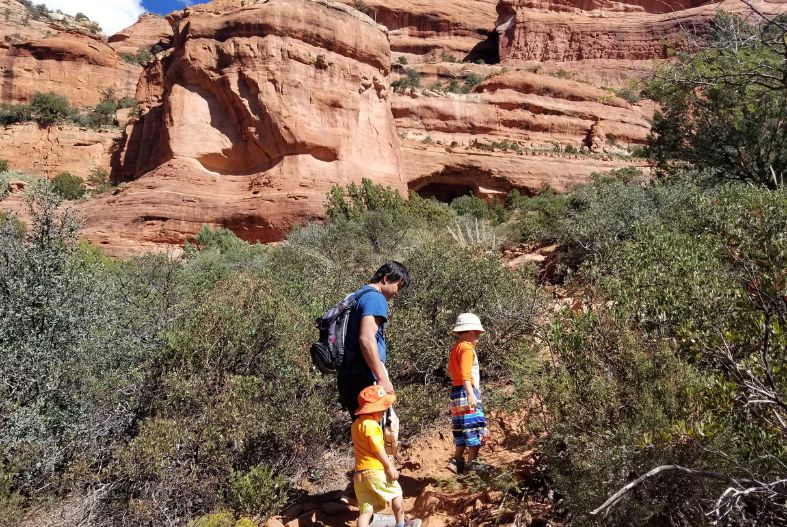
468,322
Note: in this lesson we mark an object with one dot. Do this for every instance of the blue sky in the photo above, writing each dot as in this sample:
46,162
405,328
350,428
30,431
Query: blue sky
114,15
163,7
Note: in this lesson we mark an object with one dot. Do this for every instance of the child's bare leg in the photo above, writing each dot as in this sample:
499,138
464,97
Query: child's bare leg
472,452
459,452
364,518
398,509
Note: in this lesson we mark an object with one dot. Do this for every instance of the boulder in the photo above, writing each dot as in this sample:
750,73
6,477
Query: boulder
248,122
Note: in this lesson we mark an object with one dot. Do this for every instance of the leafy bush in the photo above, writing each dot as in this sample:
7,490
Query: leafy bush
68,185
628,94
14,113
49,108
99,179
141,57
616,405
411,81
3,165
723,108
402,60
68,366
259,490
684,305
493,211
447,57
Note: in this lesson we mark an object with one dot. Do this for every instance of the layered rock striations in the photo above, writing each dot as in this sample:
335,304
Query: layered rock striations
425,29
149,31
538,110
47,151
249,120
514,130
588,35
71,64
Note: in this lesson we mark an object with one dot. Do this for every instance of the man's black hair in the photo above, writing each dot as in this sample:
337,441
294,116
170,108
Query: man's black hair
394,271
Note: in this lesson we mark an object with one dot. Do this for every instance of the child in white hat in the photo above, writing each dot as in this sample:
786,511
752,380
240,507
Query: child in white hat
467,412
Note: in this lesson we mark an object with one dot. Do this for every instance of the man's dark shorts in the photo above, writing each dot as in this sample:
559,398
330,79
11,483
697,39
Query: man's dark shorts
349,388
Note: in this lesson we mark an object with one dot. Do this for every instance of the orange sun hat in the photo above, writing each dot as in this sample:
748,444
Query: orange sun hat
374,399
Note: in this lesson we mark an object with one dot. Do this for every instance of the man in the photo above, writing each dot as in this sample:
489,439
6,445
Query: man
366,335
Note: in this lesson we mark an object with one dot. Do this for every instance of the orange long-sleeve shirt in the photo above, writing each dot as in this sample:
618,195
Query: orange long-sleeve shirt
463,364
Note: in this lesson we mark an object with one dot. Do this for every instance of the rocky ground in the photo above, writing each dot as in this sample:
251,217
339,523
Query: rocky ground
435,494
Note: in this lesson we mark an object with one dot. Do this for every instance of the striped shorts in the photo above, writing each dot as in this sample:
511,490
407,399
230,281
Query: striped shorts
468,426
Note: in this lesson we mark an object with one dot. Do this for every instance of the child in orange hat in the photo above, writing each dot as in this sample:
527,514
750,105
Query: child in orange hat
375,478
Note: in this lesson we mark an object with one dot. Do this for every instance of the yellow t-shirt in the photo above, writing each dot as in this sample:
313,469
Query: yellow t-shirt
367,439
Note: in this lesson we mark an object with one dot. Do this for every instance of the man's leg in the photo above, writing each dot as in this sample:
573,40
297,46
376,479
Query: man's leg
349,387
472,453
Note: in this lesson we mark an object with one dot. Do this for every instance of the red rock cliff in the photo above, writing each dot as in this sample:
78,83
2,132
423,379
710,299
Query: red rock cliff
248,122
580,30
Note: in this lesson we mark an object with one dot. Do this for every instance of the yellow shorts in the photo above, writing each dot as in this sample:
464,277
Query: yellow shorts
373,491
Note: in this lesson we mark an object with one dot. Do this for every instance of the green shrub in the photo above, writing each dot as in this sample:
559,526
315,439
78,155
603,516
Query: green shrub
616,405
495,212
722,108
259,491
14,113
361,6
69,186
411,81
447,57
74,355
628,94
141,57
3,165
49,108
217,519
402,60
471,81
223,240
11,225
99,179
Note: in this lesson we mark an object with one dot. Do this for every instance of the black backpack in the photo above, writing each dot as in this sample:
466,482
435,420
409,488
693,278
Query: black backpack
330,353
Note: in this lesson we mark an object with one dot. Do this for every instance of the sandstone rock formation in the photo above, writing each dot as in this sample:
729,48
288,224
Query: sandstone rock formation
513,131
538,110
588,35
19,22
421,29
446,173
249,121
45,51
148,31
47,151
67,63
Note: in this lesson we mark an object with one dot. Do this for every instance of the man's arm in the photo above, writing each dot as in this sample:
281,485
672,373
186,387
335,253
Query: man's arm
367,339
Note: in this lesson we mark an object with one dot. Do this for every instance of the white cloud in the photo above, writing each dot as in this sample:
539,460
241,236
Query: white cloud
111,15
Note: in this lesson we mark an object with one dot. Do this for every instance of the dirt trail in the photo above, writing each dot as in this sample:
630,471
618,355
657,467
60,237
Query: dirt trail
434,494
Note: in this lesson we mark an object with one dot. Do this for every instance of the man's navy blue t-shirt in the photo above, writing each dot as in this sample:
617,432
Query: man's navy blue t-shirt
371,304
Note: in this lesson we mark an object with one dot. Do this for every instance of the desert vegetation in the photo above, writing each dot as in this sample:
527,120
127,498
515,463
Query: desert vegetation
49,109
163,390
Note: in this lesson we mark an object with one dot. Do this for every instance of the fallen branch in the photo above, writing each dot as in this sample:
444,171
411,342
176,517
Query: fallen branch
615,498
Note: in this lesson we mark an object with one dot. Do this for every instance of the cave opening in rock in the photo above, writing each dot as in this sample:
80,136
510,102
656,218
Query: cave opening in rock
487,50
445,192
